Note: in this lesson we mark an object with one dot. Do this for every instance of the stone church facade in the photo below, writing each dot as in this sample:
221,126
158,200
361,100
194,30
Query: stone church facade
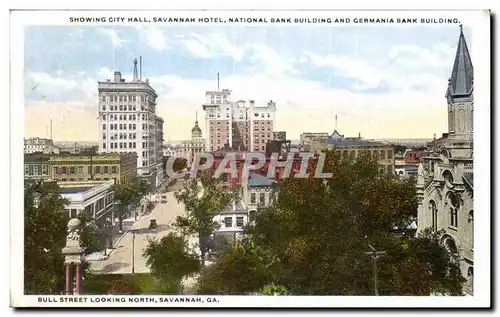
445,176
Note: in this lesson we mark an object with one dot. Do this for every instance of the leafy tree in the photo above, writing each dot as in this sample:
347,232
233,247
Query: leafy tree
128,197
273,289
169,259
243,268
44,237
90,235
45,230
320,229
121,287
203,200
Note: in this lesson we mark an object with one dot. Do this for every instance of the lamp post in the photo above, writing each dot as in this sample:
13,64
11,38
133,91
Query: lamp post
375,256
108,226
133,251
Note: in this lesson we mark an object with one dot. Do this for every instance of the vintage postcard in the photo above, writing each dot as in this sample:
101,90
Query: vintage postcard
250,158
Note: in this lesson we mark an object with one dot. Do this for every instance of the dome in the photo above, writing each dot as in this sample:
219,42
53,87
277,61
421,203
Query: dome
74,223
196,128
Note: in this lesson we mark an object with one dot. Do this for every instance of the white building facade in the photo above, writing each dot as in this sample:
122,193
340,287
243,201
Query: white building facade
241,125
446,177
40,145
94,199
128,122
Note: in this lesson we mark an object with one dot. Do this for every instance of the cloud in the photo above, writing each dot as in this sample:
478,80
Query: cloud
196,48
412,56
375,96
113,35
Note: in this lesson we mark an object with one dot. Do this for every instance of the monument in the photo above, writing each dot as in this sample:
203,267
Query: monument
73,256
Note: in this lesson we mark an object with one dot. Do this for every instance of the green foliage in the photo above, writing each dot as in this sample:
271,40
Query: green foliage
319,230
169,259
45,230
273,289
129,196
244,268
44,238
202,200
90,236
122,287
135,284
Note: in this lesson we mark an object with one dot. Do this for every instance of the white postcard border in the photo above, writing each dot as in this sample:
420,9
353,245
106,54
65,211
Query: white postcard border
479,23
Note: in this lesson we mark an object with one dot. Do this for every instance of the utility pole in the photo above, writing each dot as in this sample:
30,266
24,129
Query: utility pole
375,256
133,251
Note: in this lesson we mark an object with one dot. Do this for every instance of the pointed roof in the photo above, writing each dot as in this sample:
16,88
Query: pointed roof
461,82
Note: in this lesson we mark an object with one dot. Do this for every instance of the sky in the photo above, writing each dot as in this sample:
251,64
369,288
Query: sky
380,82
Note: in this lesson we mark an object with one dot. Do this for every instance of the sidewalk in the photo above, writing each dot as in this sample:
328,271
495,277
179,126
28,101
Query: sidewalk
127,224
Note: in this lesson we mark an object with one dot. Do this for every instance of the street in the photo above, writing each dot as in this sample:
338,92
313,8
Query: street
120,260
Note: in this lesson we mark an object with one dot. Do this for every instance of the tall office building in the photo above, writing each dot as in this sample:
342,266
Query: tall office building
128,122
240,125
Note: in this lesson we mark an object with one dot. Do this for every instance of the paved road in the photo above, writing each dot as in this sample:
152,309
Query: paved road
120,260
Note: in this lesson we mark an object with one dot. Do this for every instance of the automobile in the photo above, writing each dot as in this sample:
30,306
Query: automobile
163,199
153,224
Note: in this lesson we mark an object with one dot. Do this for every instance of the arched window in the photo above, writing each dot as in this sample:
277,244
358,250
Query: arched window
433,212
470,278
352,155
453,205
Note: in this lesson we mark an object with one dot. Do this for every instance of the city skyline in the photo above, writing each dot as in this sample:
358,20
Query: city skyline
401,72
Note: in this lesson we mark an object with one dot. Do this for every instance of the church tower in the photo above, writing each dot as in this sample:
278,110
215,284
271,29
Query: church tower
460,93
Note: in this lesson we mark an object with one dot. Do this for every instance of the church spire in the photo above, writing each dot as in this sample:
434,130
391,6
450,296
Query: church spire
461,82
136,76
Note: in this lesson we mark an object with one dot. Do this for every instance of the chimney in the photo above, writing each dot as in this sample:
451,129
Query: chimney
118,77
359,135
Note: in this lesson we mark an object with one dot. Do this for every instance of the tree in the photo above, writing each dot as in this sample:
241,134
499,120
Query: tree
44,237
241,269
319,230
273,289
170,259
45,230
122,287
90,234
203,200
128,196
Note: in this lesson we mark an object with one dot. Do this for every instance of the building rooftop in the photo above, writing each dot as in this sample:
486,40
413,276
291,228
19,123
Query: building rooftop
256,180
354,142
74,190
35,158
461,81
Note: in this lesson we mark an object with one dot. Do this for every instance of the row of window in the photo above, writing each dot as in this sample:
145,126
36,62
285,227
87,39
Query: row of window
228,222
262,198
63,170
121,136
379,154
130,108
130,117
35,170
121,145
124,98
452,217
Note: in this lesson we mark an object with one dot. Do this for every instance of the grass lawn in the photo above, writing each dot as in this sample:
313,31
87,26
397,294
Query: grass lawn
132,284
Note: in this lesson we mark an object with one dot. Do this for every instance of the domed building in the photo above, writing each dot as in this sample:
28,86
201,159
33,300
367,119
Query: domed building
195,145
